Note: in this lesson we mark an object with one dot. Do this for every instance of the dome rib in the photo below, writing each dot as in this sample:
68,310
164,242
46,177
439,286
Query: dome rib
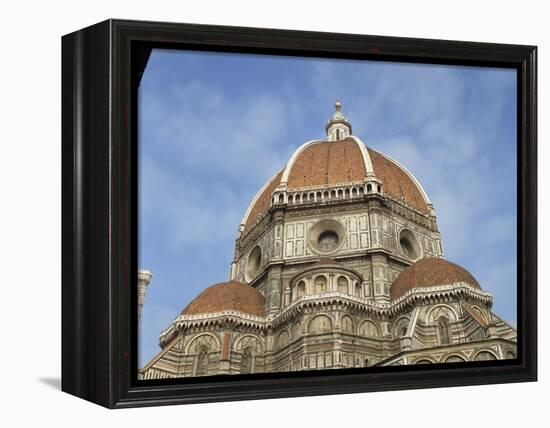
364,152
288,166
261,202
411,176
398,182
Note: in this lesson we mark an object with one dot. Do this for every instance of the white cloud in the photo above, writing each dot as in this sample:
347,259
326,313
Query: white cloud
206,130
217,148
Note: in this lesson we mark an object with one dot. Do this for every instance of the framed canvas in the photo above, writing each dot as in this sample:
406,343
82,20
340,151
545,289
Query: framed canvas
254,213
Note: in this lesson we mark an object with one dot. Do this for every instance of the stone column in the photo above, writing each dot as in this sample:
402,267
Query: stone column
144,278
287,297
274,291
332,286
375,222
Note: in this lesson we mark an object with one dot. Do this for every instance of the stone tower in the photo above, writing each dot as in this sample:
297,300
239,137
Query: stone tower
144,278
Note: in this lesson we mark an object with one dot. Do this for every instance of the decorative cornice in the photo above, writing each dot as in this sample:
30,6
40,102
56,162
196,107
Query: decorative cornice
369,170
431,295
336,206
416,295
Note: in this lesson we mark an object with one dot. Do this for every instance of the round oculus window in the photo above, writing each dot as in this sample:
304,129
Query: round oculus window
326,236
253,263
409,245
328,241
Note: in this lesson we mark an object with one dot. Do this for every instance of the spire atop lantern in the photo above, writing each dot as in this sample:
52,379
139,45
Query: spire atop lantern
338,127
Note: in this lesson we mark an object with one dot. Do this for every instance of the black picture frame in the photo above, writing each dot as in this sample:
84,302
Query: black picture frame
101,68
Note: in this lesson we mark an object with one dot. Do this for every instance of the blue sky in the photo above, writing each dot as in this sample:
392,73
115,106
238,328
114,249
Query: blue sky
214,127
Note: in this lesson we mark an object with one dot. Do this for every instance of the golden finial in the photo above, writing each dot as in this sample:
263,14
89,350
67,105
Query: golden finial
338,105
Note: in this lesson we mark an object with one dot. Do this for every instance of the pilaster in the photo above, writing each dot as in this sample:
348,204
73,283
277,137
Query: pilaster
380,278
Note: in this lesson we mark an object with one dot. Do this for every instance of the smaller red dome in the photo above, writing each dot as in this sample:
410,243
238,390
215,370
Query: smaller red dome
225,296
430,272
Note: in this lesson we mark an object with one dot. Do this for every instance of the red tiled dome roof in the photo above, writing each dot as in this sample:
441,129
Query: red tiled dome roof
321,163
327,162
262,203
396,181
430,272
225,296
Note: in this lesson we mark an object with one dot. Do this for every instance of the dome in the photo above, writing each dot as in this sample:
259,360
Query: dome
430,272
320,163
225,296
326,162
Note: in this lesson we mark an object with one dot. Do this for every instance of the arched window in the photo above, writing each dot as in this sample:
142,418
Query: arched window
325,195
337,134
401,327
281,199
347,324
358,290
304,197
282,340
290,198
343,284
300,289
246,361
354,192
320,284
319,196
340,193
320,324
333,193
379,189
201,365
368,329
297,199
369,188
328,241
443,331
346,193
